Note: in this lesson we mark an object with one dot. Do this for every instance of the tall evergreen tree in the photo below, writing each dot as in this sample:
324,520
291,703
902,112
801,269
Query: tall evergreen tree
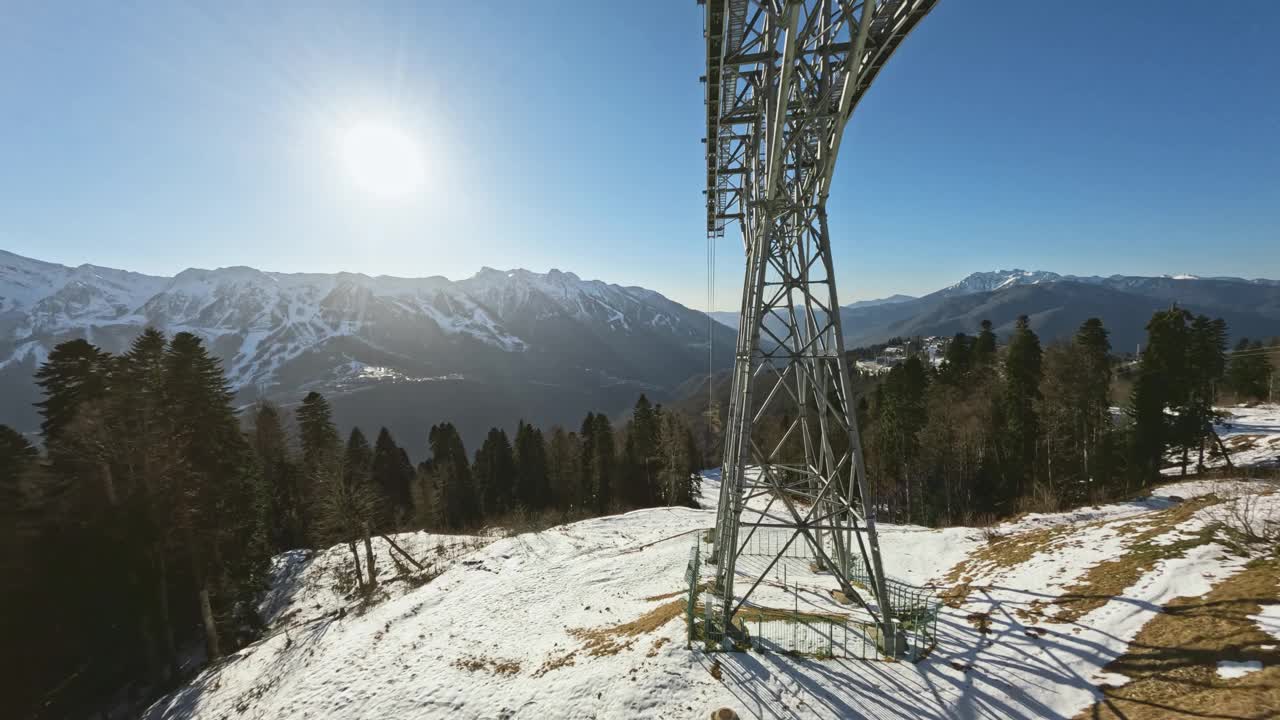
1160,384
599,460
281,476
456,503
74,374
495,472
393,477
984,346
641,484
319,442
564,470
220,504
531,467
1022,373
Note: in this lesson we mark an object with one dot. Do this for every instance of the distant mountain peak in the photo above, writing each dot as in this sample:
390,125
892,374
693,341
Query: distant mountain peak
998,280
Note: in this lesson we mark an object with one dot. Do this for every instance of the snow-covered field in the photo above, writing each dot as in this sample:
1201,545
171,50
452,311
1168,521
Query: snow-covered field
586,621
1251,435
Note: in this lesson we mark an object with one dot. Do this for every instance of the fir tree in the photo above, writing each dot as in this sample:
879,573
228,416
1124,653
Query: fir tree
455,497
319,444
495,472
1022,373
531,467
642,486
984,346
564,470
393,477
281,477
1160,384
598,460
74,374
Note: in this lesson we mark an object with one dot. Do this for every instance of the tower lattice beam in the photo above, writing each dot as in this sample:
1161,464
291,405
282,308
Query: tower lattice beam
783,79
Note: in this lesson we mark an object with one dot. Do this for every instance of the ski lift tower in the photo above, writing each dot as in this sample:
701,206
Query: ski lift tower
783,79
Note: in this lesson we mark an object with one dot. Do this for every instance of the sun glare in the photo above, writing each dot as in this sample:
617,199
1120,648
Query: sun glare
383,160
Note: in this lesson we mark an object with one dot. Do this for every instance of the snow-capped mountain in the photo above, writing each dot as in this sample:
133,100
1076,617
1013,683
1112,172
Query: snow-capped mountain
998,280
280,334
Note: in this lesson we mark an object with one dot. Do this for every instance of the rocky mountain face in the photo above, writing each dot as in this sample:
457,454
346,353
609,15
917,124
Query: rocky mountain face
483,351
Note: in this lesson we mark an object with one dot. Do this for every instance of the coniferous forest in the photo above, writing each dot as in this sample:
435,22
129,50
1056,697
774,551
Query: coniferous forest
137,543
992,431
138,540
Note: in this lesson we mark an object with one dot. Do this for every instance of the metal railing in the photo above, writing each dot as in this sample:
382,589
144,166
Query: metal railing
822,635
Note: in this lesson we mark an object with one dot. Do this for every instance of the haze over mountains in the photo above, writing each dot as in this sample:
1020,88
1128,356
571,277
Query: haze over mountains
1057,304
408,352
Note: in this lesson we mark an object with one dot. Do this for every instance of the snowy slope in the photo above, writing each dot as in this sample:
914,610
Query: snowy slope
585,620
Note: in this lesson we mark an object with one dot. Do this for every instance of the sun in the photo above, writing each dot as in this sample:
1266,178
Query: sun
383,160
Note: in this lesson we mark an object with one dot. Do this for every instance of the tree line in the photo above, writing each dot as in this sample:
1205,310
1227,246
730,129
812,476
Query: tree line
141,534
993,430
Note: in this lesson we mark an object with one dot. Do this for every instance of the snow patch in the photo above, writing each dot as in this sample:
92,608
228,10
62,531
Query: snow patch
1231,669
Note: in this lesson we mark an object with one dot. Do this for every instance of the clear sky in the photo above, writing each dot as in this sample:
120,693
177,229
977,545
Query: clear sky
1137,137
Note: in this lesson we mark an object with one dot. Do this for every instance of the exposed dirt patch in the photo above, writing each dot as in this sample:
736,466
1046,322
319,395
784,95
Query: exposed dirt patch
556,663
657,645
1104,581
665,596
474,663
611,640
1003,552
981,621
1173,660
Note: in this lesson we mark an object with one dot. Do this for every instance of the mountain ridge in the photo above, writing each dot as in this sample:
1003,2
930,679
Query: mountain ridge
515,342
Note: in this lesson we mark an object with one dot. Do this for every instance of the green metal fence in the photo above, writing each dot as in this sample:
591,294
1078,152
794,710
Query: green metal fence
792,631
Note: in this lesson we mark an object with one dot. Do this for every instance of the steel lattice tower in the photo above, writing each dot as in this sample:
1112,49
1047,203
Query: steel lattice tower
783,78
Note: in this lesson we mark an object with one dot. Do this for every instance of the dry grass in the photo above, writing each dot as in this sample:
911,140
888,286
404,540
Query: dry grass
665,596
474,663
1106,580
1005,551
611,640
657,645
1173,660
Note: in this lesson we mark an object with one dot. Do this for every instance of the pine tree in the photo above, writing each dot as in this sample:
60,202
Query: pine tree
74,374
281,476
319,444
1161,383
984,346
603,464
16,455
564,470
495,473
455,503
392,476
221,504
531,467
676,462
369,508
641,484
957,360
1022,373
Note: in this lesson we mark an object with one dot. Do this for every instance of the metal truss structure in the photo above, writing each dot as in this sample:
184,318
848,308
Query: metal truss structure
783,78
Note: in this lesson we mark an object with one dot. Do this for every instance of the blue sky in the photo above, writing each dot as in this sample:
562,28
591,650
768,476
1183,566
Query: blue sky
1140,137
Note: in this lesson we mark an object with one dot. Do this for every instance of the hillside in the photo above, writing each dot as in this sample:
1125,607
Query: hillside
1138,609
486,350
1058,304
